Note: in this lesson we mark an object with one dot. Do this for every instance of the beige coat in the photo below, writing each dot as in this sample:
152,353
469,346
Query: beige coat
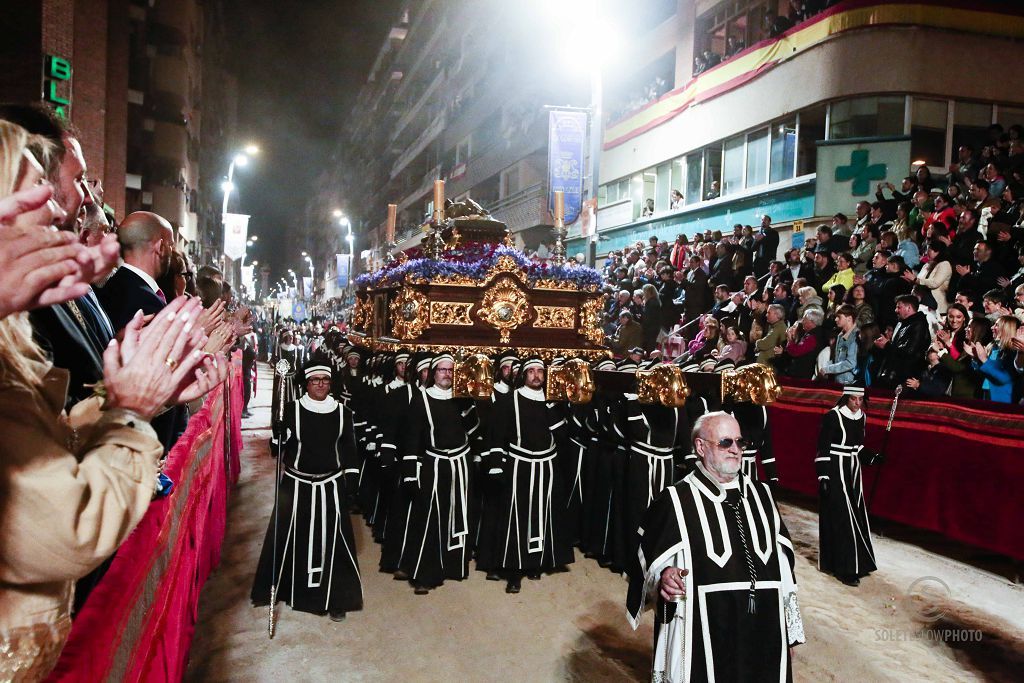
63,510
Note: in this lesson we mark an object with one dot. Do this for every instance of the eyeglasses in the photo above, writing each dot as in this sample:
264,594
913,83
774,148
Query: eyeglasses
320,380
727,443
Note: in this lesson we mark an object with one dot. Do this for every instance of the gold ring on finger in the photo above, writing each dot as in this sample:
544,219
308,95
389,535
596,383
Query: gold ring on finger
171,363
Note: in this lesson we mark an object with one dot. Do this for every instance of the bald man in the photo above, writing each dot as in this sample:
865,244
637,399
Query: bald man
147,241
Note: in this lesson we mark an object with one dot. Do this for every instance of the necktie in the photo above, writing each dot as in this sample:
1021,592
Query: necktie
160,295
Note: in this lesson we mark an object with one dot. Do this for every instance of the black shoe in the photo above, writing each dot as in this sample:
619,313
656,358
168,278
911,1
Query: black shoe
533,576
849,580
513,586
493,576
401,576
337,616
420,590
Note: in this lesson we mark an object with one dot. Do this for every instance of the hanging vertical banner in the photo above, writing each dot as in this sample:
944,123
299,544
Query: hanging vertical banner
342,261
567,135
307,287
236,229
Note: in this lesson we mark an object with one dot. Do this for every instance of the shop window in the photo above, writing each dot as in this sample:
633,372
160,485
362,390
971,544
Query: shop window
970,124
867,117
783,151
812,129
694,173
757,158
928,132
713,171
732,165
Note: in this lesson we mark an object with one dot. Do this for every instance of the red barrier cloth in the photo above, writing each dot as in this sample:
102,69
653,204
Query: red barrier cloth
138,622
952,467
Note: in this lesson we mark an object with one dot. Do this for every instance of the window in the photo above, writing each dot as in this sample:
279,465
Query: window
1010,116
812,129
636,193
678,179
694,173
732,165
867,117
510,181
663,187
970,124
783,151
462,151
757,158
928,132
713,171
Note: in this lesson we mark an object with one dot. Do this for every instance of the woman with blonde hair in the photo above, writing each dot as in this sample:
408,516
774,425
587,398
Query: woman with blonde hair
995,361
71,487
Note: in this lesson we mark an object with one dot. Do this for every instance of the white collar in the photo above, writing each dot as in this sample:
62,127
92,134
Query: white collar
845,410
146,277
629,397
396,382
287,347
437,392
501,387
532,394
328,405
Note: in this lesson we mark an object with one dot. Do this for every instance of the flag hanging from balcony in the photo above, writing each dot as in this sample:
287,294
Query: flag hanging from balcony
236,229
566,139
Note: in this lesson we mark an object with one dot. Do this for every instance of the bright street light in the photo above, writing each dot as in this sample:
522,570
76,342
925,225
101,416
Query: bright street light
241,160
227,186
252,149
337,213
254,238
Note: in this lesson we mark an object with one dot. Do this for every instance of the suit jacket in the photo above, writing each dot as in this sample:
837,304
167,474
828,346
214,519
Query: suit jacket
124,294
73,346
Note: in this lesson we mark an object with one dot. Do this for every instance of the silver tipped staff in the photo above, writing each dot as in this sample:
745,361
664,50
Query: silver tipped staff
283,370
885,444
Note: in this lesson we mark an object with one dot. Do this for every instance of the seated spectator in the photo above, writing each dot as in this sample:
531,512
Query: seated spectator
843,275
905,349
843,366
861,250
734,348
996,304
809,300
995,361
629,334
803,342
706,341
934,381
774,336
864,313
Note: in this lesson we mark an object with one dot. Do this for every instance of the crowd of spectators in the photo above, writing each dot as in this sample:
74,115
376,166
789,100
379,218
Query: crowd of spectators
109,338
924,287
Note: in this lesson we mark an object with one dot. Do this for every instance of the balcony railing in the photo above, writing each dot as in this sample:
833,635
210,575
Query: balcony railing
524,209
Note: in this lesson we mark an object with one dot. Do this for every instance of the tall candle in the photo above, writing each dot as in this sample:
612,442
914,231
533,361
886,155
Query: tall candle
559,208
439,200
389,229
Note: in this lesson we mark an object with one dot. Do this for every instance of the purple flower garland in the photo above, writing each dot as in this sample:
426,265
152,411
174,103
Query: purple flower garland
474,260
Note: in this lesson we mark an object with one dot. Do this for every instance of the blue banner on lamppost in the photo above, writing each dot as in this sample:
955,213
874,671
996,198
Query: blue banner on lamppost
567,134
342,262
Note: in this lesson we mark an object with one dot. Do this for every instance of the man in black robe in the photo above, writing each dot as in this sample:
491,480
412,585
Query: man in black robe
314,567
715,554
435,463
843,530
531,535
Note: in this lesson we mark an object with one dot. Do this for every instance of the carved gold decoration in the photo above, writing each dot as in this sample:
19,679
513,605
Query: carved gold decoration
409,314
557,317
450,313
590,321
504,306
505,265
665,384
570,381
755,383
473,377
358,313
555,284
547,354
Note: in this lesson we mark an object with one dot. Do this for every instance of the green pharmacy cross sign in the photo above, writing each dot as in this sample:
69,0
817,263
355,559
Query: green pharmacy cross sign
860,172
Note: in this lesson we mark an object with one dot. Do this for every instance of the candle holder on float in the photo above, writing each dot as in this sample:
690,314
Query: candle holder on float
558,252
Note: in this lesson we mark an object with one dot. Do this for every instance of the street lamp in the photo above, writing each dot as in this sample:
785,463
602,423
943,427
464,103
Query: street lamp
312,280
239,159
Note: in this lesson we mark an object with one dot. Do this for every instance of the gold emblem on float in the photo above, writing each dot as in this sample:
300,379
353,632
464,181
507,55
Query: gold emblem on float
409,314
450,313
755,383
665,384
473,377
570,381
504,307
555,317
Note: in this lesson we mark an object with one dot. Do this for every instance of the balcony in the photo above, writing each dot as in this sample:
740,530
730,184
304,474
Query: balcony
416,108
425,138
425,186
523,210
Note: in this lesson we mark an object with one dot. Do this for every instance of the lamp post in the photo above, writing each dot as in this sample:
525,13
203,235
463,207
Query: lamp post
239,159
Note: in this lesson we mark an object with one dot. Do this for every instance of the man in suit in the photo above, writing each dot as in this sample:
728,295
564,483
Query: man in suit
147,242
766,246
74,334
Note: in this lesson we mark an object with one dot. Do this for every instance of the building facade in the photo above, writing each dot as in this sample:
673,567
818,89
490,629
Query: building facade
457,92
802,122
129,75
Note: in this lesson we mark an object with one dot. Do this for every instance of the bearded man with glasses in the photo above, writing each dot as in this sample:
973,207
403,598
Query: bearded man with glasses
715,561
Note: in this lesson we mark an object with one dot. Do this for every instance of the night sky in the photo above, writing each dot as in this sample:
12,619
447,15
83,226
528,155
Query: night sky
300,67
